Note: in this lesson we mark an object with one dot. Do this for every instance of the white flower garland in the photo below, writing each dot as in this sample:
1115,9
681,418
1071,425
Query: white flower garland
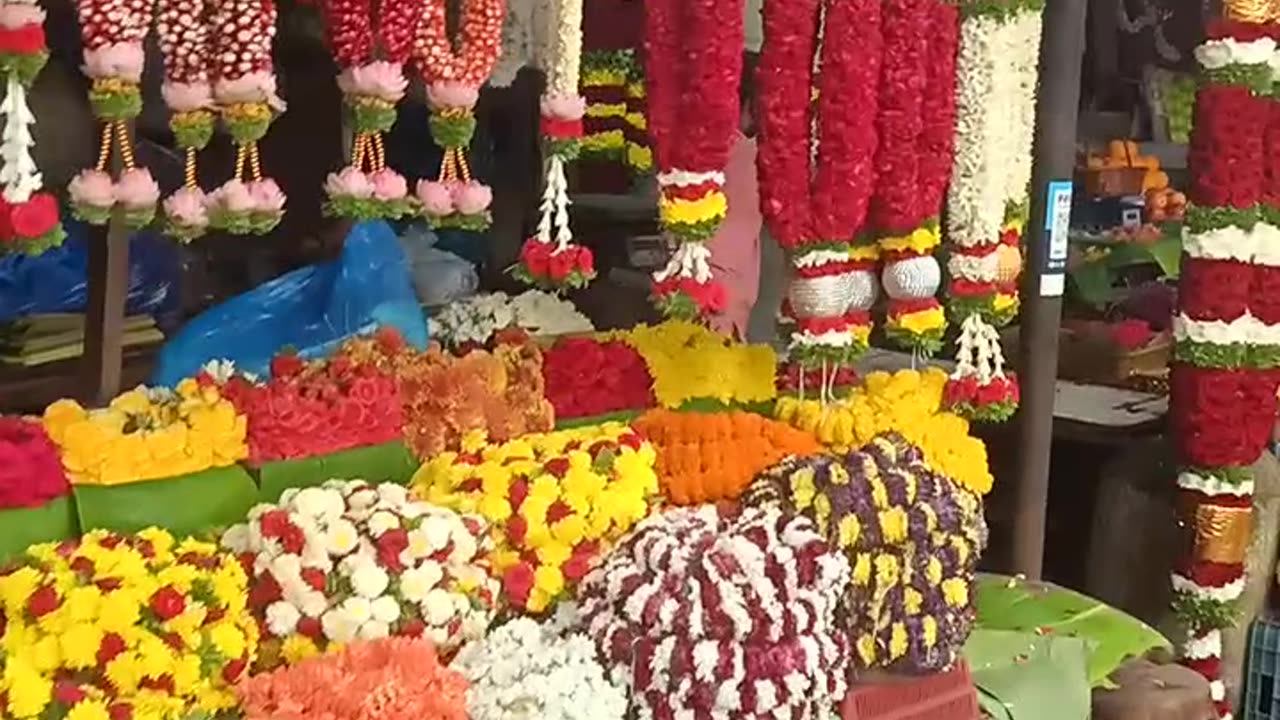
560,101
476,319
18,173
523,670
980,355
1022,42
517,42
975,196
1245,329
1218,54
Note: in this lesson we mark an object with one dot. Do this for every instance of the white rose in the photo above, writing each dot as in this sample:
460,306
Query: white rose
416,582
382,521
437,608
392,494
236,539
386,610
338,626
341,538
369,581
282,619
374,630
1214,54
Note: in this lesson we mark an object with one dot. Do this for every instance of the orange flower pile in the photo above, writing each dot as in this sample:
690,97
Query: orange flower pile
707,457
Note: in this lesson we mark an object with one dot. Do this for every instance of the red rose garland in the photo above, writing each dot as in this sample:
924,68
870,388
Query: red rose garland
367,189
453,81
693,66
188,92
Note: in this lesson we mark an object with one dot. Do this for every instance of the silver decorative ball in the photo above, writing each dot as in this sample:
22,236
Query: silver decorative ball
913,278
865,289
826,296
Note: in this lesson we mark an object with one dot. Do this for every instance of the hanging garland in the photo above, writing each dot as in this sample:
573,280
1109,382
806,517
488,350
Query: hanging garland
367,189
819,213
244,93
693,65
183,30
548,259
112,32
453,79
28,216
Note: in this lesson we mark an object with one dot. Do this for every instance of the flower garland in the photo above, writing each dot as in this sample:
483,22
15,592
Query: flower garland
1223,380
615,125
978,388
147,434
693,67
912,538
524,669
817,207
554,501
548,261
124,626
183,30
28,216
349,560
113,32
245,95
367,189
588,378
688,361
391,678
705,614
474,321
31,472
709,457
453,83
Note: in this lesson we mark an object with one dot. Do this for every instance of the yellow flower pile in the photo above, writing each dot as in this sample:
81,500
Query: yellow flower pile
147,434
554,501
688,361
907,402
141,626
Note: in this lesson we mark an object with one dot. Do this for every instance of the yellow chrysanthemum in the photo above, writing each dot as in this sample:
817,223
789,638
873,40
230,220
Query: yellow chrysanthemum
920,322
679,211
921,241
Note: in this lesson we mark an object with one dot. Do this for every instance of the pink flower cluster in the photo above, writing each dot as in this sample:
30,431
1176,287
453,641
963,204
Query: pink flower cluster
31,472
379,79
135,190
384,185
444,198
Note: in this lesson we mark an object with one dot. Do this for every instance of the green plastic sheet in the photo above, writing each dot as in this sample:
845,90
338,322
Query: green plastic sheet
1023,676
190,504
22,527
390,462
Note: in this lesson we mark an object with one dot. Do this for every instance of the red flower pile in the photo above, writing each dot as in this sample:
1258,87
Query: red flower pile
789,375
993,401
309,409
1230,123
31,472
545,265
1222,416
587,378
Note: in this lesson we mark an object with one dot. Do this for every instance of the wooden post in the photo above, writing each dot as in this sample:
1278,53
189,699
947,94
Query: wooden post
108,276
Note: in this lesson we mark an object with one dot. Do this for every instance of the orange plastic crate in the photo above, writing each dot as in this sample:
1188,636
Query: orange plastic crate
941,696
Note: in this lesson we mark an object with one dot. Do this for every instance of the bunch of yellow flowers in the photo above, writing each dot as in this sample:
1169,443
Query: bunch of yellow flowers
907,402
554,501
144,626
145,434
689,361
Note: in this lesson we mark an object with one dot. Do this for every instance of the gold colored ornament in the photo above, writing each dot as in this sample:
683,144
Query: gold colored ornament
1250,11
1222,534
1008,263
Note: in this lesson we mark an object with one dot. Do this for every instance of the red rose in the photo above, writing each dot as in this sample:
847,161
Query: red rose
43,601
585,261
6,222
992,393
25,40
560,265
1264,293
167,603
35,217
960,390
536,255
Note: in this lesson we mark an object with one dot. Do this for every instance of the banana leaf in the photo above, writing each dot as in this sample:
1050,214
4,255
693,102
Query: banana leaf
22,527
185,505
622,416
1111,636
1023,676
389,462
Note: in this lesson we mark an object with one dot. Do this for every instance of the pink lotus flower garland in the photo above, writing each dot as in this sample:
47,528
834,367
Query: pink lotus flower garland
703,613
387,679
188,92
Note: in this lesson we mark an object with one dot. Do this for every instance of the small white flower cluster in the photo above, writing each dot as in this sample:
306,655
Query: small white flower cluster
222,370
979,354
710,615
1218,54
525,670
349,560
477,318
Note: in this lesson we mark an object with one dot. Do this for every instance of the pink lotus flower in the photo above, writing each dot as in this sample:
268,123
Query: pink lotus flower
185,97
233,196
447,95
17,15
564,107
349,182
136,189
116,60
92,188
389,185
267,196
256,87
472,198
380,79
435,196
186,207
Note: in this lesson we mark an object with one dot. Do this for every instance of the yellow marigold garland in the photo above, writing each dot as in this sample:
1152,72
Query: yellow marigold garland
689,361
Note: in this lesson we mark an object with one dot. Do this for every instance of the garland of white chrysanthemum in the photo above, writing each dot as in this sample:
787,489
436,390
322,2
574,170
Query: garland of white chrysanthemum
518,43
18,173
561,101
974,209
1023,46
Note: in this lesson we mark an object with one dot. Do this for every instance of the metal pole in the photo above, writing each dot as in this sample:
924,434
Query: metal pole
1061,54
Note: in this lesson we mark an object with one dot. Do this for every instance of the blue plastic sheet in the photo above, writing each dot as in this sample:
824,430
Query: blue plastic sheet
56,281
312,309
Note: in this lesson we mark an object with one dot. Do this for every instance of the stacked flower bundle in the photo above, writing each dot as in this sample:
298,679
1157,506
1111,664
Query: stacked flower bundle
120,627
706,614
524,669
708,457
587,378
31,472
389,679
350,561
473,322
315,408
688,361
613,84
555,501
148,433
912,537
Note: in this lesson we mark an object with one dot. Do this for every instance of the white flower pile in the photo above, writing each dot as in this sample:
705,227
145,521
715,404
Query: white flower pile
349,560
525,670
476,319
710,615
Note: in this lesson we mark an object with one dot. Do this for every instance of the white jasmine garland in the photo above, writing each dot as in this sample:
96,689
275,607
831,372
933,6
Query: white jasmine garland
975,196
18,173
687,178
804,339
1022,43
517,42
563,65
1208,645
690,260
976,268
1218,54
1222,594
817,258
979,354
1245,329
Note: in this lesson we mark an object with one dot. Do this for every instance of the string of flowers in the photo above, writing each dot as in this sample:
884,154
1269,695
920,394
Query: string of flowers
112,32
31,472
979,389
371,77
548,259
29,221
709,457
182,27
474,321
693,67
688,361
453,79
816,207
615,124
588,378
244,93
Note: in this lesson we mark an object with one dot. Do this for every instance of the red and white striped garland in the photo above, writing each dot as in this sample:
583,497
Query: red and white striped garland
187,49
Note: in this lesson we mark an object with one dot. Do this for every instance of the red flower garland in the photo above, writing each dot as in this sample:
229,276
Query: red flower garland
31,471
896,208
937,136
587,378
1226,147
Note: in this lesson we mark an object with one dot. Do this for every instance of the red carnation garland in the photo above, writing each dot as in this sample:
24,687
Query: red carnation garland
587,378
31,472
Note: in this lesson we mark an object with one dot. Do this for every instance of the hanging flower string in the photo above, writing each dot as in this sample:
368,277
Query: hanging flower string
245,95
113,32
693,64
979,389
453,79
367,189
549,259
28,217
183,29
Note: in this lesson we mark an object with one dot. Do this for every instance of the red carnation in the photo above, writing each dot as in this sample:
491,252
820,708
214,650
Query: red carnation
314,578
167,603
536,257
286,365
31,472
35,217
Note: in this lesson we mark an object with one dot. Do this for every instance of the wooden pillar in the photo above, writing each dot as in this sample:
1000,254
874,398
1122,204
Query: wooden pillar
108,276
